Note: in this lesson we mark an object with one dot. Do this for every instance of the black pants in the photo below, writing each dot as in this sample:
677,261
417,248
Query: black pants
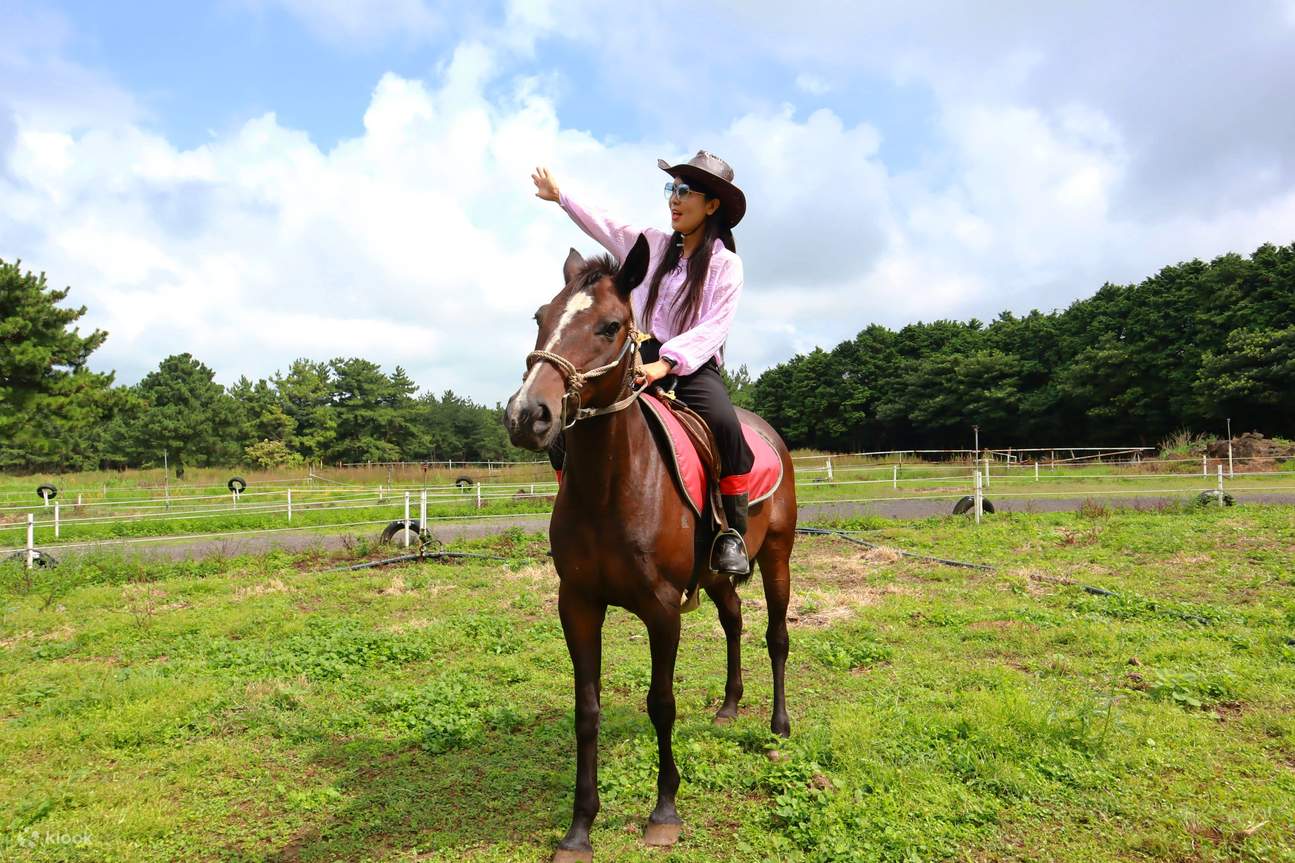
704,392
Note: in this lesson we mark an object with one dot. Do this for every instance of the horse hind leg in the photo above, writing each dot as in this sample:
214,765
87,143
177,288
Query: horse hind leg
729,607
775,571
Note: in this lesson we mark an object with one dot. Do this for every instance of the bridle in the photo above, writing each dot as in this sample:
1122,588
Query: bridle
575,379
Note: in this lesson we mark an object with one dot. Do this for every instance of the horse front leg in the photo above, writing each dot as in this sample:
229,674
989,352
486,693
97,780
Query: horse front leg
582,624
729,606
664,824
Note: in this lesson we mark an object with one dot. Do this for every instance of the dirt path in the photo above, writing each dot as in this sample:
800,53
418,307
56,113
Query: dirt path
809,512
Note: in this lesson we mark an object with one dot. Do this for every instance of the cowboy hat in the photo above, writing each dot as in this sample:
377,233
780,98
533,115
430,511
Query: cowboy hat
715,176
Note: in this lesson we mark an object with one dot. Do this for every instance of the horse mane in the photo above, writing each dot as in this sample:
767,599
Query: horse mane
597,267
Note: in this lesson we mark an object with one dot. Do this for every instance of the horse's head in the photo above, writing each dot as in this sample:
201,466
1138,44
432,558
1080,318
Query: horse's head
588,324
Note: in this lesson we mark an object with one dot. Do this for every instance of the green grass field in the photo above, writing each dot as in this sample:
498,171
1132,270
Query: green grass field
261,709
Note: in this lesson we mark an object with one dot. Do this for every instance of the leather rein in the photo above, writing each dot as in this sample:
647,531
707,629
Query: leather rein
575,379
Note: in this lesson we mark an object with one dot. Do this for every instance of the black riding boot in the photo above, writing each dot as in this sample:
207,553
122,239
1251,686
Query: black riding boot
730,549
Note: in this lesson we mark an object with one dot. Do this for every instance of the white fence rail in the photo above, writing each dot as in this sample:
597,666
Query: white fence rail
916,482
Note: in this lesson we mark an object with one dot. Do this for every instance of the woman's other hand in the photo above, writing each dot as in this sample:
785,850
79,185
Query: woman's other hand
653,372
546,188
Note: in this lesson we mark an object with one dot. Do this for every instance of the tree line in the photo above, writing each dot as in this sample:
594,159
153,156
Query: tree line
1191,346
55,414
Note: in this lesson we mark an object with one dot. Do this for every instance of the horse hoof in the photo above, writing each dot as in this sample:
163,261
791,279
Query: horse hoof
562,855
661,835
723,719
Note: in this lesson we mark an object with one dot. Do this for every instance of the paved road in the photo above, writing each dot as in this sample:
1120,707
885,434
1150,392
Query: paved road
450,531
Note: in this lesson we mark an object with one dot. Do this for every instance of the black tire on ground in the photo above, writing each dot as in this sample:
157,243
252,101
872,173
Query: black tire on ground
464,482
45,491
393,532
40,559
968,503
1211,498
237,484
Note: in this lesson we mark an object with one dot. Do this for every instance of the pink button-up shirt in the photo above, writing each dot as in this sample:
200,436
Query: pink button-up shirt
690,348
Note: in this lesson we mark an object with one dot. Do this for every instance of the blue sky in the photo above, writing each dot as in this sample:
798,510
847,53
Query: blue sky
257,180
200,69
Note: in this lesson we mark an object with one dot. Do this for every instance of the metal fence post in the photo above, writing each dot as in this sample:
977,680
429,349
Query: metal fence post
979,495
56,520
289,506
31,540
1220,484
422,511
406,530
829,470
894,479
478,495
1205,465
1036,470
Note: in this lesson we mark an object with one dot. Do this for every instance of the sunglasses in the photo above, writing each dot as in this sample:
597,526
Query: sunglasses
681,190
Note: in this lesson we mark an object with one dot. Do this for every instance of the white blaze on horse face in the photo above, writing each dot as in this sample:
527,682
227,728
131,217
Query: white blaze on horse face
578,303
575,305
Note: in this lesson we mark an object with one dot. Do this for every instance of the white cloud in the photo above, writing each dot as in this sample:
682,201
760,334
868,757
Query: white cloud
419,241
812,84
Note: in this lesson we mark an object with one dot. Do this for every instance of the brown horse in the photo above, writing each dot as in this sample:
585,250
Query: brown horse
622,534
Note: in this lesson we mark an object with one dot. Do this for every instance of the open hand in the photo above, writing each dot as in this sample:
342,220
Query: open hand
546,188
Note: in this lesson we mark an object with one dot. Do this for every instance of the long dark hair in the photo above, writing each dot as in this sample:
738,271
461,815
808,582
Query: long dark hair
687,305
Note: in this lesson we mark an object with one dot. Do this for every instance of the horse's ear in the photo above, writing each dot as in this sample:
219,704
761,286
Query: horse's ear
571,268
634,268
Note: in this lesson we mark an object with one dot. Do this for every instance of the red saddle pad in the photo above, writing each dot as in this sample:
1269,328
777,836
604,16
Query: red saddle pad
766,473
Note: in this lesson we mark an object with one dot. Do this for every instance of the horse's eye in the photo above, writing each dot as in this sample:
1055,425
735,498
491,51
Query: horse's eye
609,329
539,314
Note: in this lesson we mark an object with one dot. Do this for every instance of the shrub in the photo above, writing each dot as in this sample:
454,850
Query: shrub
270,454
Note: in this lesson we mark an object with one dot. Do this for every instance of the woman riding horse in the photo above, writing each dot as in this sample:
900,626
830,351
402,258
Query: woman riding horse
687,306
622,532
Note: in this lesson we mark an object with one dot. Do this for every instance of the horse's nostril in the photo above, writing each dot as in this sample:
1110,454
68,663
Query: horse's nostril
524,416
542,413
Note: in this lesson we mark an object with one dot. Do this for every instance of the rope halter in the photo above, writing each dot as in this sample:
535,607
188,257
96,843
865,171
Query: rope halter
575,379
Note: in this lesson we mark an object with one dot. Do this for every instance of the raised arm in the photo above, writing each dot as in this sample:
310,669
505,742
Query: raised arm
616,237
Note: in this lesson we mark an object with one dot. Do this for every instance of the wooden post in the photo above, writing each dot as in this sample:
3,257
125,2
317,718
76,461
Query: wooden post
894,477
1220,484
56,520
478,495
829,470
31,540
979,496
1036,470
406,530
289,506
986,473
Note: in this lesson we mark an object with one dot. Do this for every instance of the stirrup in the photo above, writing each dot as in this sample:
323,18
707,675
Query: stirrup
739,565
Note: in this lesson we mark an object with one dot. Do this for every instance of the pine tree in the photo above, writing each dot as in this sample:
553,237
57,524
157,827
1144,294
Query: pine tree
50,402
